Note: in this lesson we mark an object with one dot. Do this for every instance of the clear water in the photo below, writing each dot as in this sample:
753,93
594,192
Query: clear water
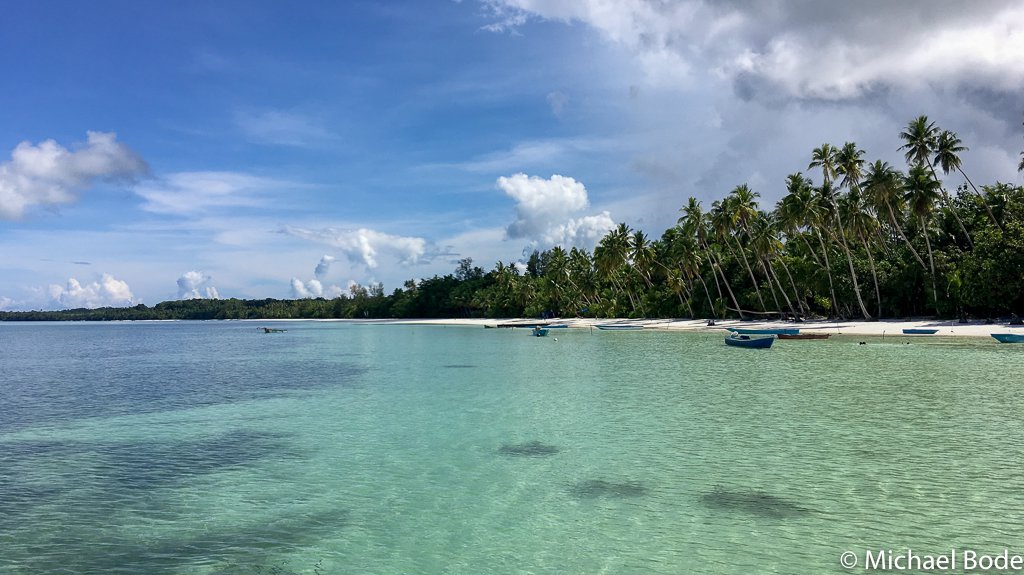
213,448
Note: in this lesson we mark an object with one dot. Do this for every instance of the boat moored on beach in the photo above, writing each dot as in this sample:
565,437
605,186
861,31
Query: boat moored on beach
1009,337
742,340
539,332
619,327
919,331
804,335
765,330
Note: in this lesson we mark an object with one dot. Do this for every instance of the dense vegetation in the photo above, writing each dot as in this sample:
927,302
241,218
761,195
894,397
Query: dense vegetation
867,240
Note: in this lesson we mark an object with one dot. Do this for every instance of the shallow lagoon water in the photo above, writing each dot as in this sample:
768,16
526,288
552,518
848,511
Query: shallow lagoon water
213,448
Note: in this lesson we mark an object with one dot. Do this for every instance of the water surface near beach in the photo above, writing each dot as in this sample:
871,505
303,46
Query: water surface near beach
214,448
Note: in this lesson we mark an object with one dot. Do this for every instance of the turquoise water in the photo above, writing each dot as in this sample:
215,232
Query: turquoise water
213,448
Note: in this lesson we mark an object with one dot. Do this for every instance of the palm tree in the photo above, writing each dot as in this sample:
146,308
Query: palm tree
947,156
862,224
922,192
921,137
831,161
738,209
695,223
611,255
883,189
766,245
800,206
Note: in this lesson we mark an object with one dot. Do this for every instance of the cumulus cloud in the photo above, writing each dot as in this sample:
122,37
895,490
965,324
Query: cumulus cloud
6,303
822,50
323,267
546,211
108,291
313,289
48,174
196,285
365,246
190,193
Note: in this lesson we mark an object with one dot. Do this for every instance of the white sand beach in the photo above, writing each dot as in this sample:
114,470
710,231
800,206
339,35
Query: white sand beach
950,328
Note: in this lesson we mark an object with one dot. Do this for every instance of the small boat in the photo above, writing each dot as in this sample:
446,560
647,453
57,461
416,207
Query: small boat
557,326
1009,337
919,331
765,331
539,332
272,330
741,340
618,327
804,335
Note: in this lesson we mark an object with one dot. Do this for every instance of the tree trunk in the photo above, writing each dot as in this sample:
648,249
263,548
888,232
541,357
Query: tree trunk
849,260
828,270
895,224
931,261
746,264
988,208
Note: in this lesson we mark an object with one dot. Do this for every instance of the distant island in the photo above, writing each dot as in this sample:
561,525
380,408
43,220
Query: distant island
868,242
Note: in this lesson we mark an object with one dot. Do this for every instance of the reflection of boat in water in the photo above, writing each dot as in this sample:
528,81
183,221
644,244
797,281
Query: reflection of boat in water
764,330
919,331
619,327
804,335
1009,337
742,340
539,332
272,330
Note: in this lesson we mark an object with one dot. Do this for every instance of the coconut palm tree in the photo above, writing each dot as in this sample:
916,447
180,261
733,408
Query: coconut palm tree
694,223
800,207
883,189
921,192
862,224
947,156
830,160
738,209
921,137
611,255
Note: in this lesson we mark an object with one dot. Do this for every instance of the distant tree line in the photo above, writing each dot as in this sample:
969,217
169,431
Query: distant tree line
867,240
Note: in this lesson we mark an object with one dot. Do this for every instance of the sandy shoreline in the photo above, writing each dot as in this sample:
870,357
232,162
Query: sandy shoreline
948,328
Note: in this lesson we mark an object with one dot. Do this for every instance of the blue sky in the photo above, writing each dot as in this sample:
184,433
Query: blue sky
156,151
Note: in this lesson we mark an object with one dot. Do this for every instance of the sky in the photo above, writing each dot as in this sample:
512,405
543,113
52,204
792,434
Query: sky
154,151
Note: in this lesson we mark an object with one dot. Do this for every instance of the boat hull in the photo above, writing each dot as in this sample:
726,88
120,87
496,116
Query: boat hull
765,331
1009,337
804,335
920,331
619,327
737,340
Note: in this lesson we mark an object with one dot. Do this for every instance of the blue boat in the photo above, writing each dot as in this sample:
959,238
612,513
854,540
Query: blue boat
539,332
919,331
765,331
557,326
618,327
740,340
1009,337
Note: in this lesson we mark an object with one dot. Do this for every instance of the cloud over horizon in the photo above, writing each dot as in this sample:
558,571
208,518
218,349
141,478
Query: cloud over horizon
365,246
196,285
107,291
547,212
48,174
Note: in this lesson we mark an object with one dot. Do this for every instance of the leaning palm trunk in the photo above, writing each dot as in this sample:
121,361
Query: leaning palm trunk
849,260
899,228
874,274
796,292
828,270
746,264
717,265
770,271
711,302
988,208
775,296
949,206
931,261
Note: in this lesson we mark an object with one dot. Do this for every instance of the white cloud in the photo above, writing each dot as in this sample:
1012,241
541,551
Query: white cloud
546,209
832,50
108,291
6,303
190,193
557,100
49,174
196,285
314,289
366,246
323,266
